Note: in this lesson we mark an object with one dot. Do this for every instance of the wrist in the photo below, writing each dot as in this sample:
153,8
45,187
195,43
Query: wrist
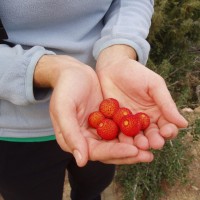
52,68
114,53
46,71
123,50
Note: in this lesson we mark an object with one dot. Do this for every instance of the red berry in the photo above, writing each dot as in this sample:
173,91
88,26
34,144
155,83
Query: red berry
120,113
144,120
107,129
95,118
108,107
130,125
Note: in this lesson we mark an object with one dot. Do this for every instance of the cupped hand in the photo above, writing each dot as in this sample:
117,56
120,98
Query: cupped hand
115,151
77,93
142,90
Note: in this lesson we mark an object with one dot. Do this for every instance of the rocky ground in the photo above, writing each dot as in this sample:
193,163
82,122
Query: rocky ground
190,191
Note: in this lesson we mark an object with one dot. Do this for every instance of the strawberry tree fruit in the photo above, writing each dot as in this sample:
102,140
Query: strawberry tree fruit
95,118
120,113
144,120
108,107
130,125
108,129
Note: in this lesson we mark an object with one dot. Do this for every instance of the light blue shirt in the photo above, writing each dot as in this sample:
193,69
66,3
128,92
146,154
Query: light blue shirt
78,28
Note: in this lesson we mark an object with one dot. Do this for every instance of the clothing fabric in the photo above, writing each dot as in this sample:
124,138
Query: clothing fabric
81,29
36,171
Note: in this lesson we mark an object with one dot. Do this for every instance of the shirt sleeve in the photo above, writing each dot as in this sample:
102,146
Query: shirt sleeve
127,22
16,74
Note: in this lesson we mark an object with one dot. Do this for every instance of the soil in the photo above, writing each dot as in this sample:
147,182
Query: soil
191,190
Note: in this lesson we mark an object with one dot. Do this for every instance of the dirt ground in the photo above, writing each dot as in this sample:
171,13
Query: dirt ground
190,191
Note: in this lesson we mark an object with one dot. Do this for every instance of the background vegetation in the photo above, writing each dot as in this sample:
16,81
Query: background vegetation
175,55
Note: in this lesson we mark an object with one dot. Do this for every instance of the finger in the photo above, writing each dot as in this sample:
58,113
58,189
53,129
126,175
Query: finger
141,141
142,157
71,138
109,150
162,97
125,139
167,130
156,141
61,141
59,138
75,139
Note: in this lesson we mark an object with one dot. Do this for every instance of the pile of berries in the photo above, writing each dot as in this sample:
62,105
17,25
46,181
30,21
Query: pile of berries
110,119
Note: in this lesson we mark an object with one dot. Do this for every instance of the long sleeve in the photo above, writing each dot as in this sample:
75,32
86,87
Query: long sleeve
127,22
16,74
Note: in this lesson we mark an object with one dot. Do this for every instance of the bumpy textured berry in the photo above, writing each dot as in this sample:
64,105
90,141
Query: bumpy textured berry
120,113
108,107
130,125
95,118
144,120
107,129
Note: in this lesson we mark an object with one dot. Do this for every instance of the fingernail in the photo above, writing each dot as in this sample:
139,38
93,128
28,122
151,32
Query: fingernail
186,122
77,156
152,157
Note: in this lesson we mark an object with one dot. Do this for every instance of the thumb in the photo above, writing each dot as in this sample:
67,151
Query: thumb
77,143
163,99
71,139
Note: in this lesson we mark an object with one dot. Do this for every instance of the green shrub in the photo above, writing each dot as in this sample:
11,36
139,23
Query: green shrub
175,47
175,43
196,130
147,181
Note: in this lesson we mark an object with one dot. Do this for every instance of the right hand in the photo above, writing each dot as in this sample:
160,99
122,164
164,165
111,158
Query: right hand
141,90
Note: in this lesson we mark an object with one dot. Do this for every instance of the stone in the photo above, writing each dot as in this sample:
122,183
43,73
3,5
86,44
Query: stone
197,110
187,110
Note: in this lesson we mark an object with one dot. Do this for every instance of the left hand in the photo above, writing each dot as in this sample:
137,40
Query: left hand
141,90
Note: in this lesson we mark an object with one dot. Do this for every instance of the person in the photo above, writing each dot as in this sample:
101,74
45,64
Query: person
65,58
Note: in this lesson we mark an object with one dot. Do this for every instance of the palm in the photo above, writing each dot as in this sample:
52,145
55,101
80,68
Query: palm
131,87
69,117
140,89
76,94
114,151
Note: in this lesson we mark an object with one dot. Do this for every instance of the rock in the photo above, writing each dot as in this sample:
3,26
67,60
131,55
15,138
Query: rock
195,188
187,110
198,92
197,110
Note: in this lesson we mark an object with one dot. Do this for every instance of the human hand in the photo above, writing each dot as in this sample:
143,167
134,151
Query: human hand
115,151
142,90
76,93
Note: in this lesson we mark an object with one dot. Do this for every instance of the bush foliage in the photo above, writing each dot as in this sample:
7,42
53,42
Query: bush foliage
175,48
147,181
